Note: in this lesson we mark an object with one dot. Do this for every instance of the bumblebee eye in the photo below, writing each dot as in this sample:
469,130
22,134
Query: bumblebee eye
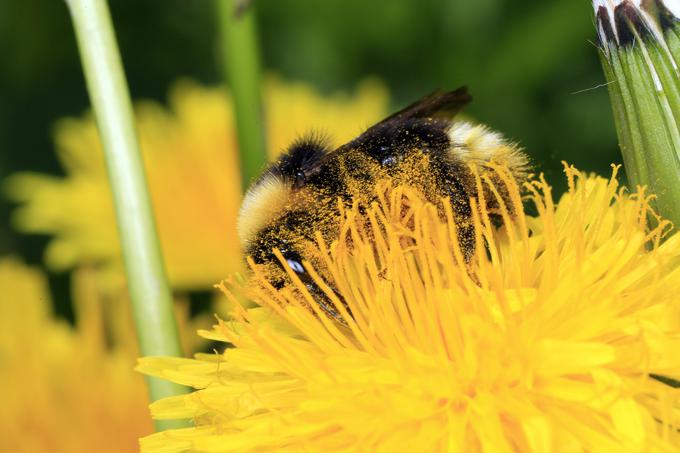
294,262
296,266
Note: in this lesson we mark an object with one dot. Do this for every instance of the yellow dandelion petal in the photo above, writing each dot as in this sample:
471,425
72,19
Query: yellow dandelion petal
554,337
191,159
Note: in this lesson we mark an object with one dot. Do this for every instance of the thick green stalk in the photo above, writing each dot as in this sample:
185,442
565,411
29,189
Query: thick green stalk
241,60
147,282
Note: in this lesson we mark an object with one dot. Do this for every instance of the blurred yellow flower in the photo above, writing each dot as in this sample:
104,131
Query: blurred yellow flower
190,153
66,389
548,340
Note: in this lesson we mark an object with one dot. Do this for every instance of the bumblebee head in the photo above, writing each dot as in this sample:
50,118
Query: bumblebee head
279,187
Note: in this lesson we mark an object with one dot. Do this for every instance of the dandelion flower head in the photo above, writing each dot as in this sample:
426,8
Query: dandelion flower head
67,389
555,336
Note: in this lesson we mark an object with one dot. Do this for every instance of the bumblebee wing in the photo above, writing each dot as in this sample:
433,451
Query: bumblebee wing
431,114
423,124
439,104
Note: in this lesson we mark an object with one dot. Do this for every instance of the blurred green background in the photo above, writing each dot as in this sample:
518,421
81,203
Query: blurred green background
530,66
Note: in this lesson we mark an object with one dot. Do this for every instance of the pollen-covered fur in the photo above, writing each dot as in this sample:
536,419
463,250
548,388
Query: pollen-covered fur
300,198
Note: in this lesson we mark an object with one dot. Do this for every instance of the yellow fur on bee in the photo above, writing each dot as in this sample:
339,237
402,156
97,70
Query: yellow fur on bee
261,205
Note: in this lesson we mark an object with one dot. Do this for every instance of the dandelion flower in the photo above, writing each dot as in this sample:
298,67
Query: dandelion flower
191,158
555,336
66,389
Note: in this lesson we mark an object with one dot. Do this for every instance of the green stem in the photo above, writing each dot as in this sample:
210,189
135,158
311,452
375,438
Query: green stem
240,56
149,291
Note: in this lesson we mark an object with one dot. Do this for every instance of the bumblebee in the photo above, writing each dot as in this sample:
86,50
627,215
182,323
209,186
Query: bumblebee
420,145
